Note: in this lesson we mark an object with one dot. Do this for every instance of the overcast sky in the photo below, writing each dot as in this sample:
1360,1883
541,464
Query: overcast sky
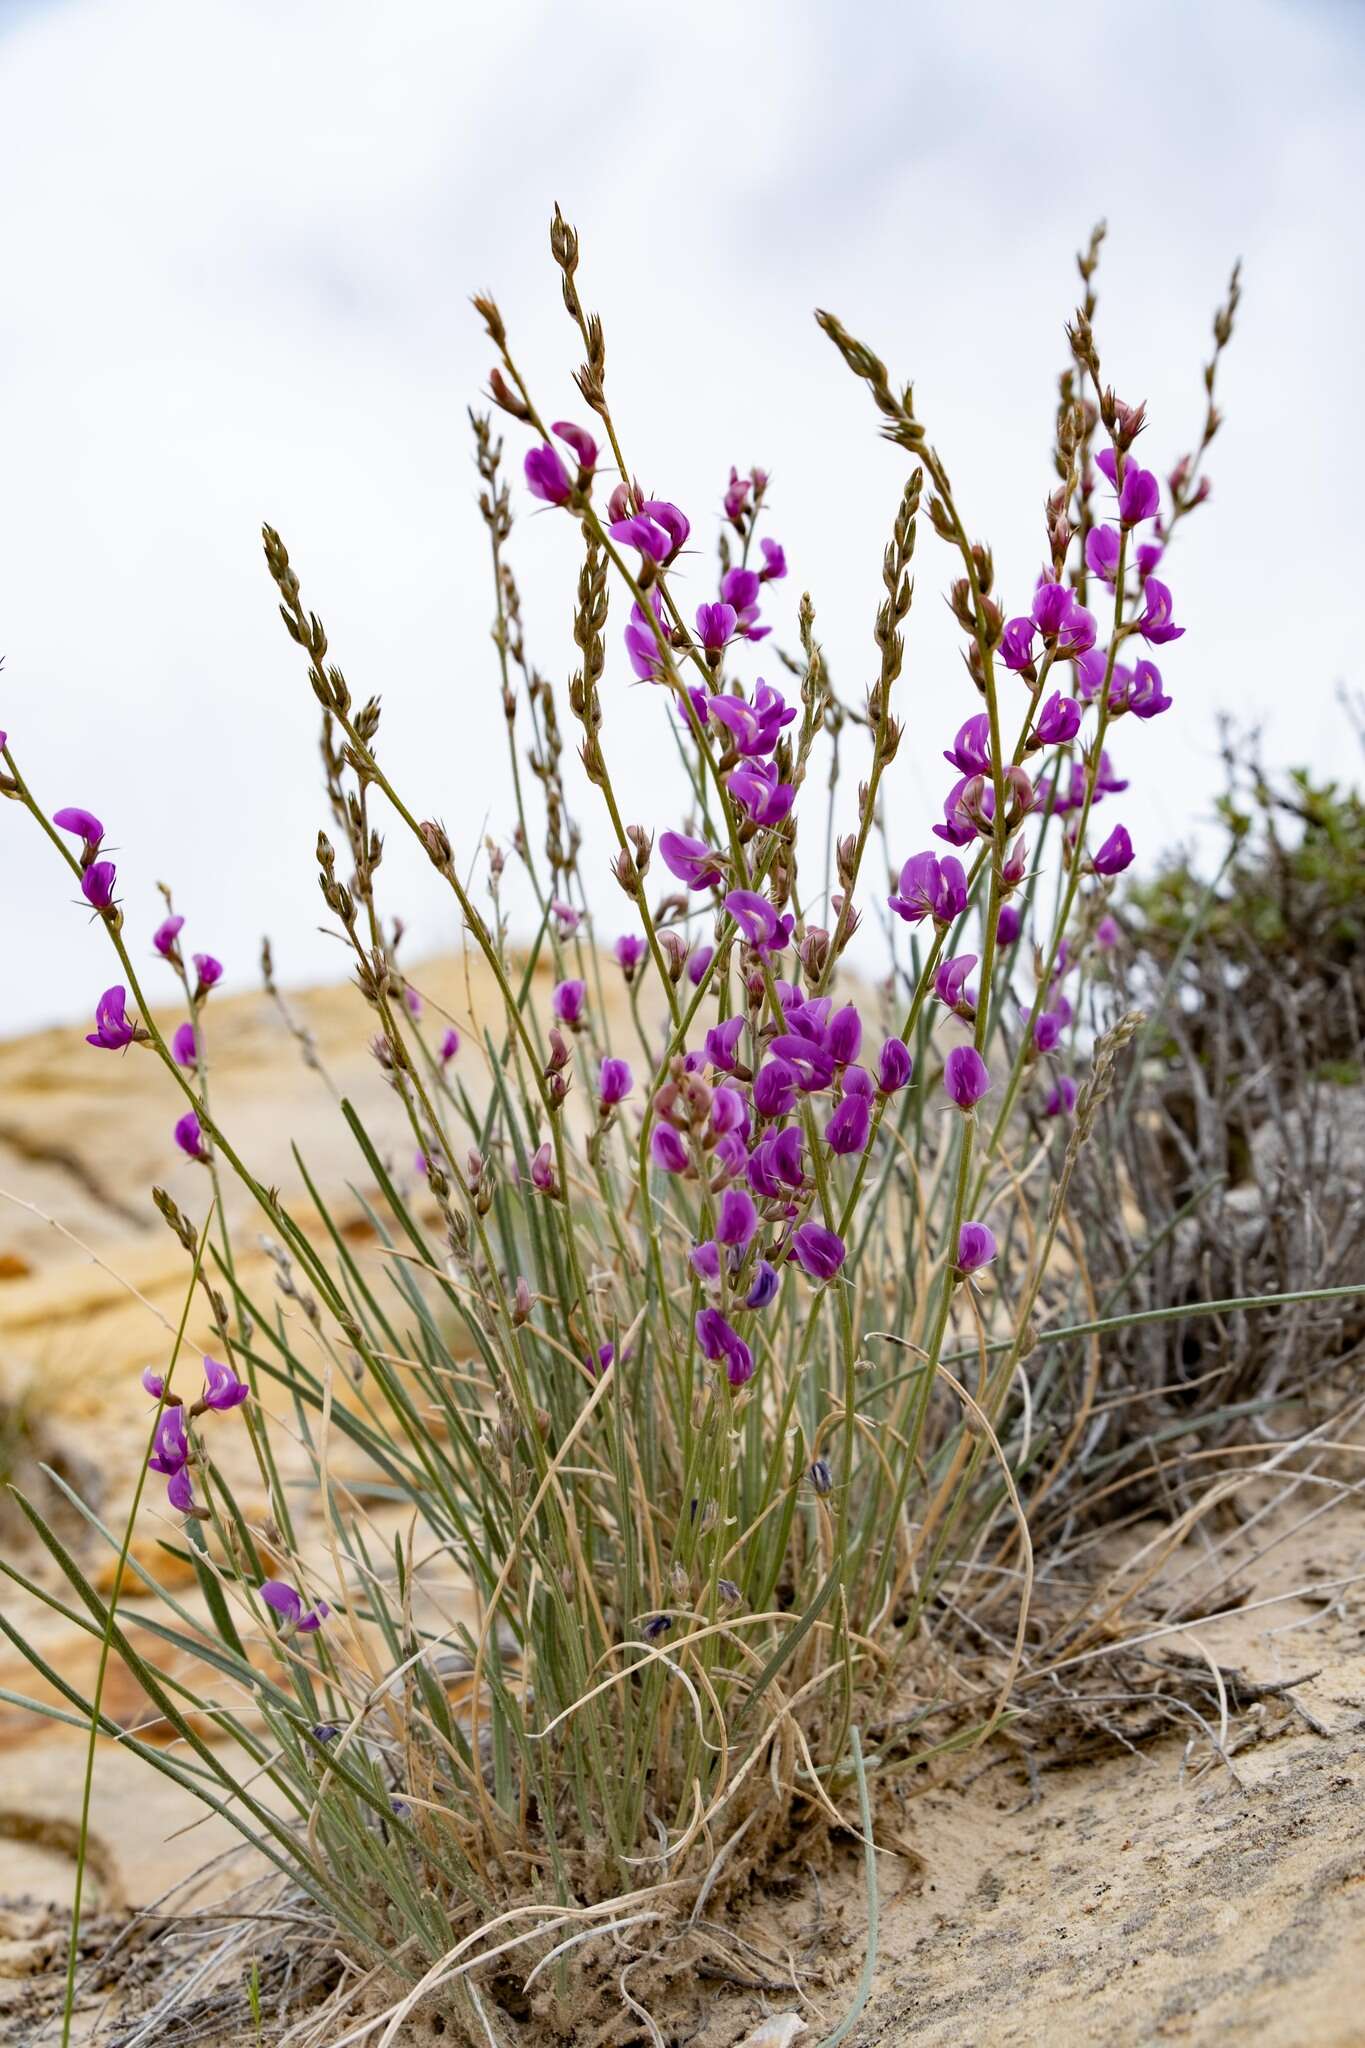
237,255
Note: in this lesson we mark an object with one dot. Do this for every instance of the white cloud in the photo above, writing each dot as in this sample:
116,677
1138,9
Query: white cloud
237,271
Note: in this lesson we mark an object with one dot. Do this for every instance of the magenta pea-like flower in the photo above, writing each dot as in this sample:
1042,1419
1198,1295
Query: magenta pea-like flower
189,1137
847,1131
691,860
543,1169
760,924
84,824
950,982
1156,624
210,972
965,1076
185,1046
449,1046
736,1218
222,1388
1058,721
1008,925
580,440
165,936
721,1044
568,1003
766,1284
1115,855
667,1150
170,1442
894,1066
1146,697
97,884
546,476
1139,495
152,1382
971,752
774,562
1062,1099
975,1247
930,887
722,1344
629,951
114,1028
294,1619
180,1491
817,1251
756,789
1107,932
642,644
715,626
1102,552
614,1083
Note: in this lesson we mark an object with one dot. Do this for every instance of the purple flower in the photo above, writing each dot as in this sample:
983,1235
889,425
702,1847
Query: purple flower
975,1247
286,1603
1058,721
1106,782
675,524
930,887
546,476
450,1045
1008,925
755,787
736,1218
1146,698
755,728
740,588
950,982
615,1082
184,1046
165,936
719,1342
894,1066
1115,855
1155,624
737,496
648,535
775,1088
1047,1029
210,972
728,1112
113,1027
704,1260
698,960
190,1138
1102,552
222,1388
667,1149
1062,1100
848,1128
721,1043
817,1251
715,625
604,1356
180,1491
97,884
629,951
84,824
691,860
1139,495
641,643
580,440
971,751
765,1286
1107,932
965,1076
543,1169
170,1443
758,921
153,1383
1016,645
567,1002
774,562
775,1164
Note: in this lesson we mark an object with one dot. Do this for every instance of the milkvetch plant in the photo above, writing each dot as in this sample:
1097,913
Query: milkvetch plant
624,1373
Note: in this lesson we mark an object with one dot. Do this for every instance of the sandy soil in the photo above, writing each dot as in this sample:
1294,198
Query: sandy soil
1148,1894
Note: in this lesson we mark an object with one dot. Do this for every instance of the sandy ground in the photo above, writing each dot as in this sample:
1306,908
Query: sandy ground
1146,1895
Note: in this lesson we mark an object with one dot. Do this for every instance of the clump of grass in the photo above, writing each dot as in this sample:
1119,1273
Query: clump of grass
712,1359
